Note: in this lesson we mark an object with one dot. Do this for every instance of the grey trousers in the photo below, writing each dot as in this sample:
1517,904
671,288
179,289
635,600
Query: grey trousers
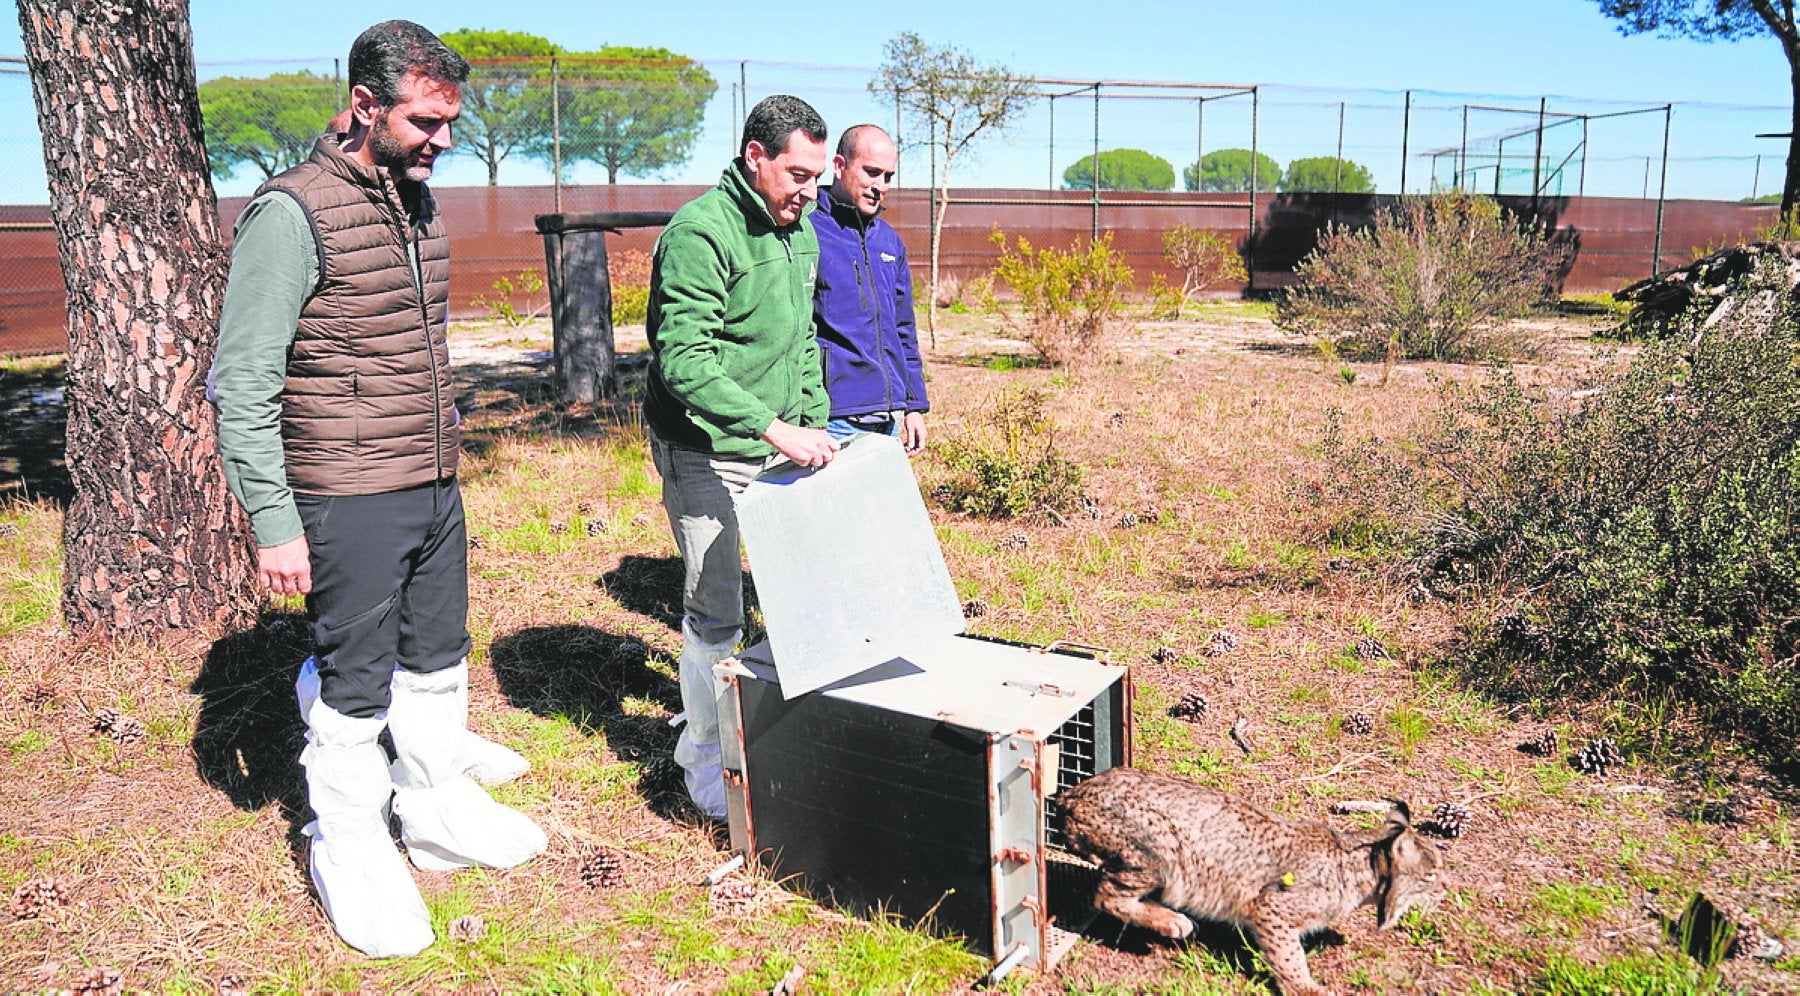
700,493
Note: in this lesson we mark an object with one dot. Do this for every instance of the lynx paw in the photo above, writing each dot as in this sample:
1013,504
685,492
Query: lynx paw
1176,926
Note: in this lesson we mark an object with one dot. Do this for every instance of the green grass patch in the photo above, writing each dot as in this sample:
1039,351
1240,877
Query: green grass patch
1665,974
883,956
678,918
1411,726
1264,619
1570,909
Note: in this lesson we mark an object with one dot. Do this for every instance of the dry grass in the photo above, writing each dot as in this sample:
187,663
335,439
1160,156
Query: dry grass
184,864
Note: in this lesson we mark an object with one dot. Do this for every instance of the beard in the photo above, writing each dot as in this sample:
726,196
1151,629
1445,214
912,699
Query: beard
393,155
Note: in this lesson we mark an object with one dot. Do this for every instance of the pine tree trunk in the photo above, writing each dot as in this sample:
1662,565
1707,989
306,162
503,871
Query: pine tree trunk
1790,184
153,542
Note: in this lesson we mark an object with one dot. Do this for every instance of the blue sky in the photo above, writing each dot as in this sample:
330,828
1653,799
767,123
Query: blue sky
1313,55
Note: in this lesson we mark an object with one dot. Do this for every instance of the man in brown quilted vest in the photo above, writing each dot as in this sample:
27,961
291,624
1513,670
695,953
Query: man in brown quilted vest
339,431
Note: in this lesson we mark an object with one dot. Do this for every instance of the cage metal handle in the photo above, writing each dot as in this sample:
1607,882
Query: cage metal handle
1094,651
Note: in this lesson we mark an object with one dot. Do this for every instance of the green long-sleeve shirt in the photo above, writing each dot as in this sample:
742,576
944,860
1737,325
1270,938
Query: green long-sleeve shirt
274,272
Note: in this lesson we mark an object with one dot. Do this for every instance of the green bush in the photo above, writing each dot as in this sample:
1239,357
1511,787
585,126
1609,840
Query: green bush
1204,259
630,305
1439,278
1638,536
629,272
1069,300
1006,465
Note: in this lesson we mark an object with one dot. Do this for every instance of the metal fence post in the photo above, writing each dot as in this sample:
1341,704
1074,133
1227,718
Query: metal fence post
1250,241
1662,190
556,132
1405,139
1094,221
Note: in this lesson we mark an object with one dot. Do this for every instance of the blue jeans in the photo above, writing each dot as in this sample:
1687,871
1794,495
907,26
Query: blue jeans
842,429
700,494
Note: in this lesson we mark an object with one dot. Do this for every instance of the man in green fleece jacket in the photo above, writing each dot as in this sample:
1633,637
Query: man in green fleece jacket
735,385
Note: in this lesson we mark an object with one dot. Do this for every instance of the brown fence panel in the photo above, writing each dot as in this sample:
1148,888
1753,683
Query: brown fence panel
493,236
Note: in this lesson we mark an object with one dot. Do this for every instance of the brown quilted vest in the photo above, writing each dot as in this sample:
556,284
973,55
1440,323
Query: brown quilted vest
368,406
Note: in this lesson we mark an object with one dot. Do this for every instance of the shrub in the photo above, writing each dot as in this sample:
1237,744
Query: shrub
629,272
509,293
1069,301
1637,537
1006,465
1203,258
1438,278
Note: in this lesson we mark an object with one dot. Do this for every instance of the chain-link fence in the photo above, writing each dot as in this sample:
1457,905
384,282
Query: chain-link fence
639,129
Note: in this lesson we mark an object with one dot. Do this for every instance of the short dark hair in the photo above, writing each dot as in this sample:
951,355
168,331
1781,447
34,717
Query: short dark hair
381,56
774,119
852,136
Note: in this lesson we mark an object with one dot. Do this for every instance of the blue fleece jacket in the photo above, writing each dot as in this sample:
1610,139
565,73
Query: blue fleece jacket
863,314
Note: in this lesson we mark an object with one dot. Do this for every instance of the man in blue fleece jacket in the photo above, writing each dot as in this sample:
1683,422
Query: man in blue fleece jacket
862,305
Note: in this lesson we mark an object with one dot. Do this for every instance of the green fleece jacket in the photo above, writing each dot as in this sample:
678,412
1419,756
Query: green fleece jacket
730,324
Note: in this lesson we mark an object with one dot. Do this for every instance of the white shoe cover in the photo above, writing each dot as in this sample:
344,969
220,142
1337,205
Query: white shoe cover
484,760
697,749
704,776
365,886
490,763
446,820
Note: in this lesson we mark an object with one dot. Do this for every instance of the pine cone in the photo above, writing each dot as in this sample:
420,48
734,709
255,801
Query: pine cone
99,981
601,869
941,494
8,530
39,695
974,608
1116,420
1220,643
1359,723
659,775
731,895
121,729
584,508
468,929
1014,541
475,541
1128,521
1165,655
596,526
630,653
234,985
1545,744
1090,508
558,527
1190,707
36,896
1370,649
1449,819
1600,754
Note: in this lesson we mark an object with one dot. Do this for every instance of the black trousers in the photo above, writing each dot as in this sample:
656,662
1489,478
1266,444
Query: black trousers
390,585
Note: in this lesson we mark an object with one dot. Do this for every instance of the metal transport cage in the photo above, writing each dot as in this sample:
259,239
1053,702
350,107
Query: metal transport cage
881,759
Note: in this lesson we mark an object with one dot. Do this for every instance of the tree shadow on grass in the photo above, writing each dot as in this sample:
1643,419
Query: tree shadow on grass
498,400
651,586
248,737
599,681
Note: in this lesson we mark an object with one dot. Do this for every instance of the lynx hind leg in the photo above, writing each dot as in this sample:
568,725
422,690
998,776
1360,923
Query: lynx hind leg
1121,895
1287,960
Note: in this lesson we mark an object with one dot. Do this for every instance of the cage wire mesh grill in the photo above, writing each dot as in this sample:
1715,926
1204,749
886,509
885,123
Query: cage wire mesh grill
1075,742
